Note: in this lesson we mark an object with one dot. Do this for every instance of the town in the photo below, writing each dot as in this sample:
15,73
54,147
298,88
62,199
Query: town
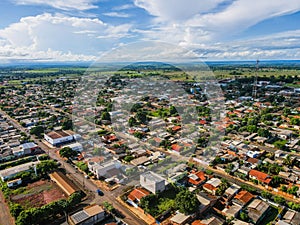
150,145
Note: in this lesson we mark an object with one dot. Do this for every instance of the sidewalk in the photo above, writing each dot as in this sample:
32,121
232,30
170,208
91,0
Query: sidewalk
138,212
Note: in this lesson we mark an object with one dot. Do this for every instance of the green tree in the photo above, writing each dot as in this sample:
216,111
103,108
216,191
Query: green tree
15,209
105,116
279,200
67,152
67,124
187,202
37,131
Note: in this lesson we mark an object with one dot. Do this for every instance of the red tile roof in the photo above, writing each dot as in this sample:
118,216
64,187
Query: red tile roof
209,187
137,194
244,196
262,177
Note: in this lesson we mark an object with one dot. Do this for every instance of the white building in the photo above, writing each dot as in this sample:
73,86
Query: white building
75,147
107,169
56,138
153,182
12,171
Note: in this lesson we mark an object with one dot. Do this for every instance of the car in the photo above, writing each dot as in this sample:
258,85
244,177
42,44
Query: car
99,192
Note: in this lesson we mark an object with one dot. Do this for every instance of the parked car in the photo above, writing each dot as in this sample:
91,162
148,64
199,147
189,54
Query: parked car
99,192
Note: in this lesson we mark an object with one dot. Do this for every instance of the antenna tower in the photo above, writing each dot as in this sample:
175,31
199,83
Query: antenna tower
254,91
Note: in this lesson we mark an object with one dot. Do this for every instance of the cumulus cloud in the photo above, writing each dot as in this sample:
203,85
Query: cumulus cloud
59,34
61,4
194,22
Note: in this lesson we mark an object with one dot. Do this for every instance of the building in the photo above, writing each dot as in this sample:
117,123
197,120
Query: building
257,210
231,191
180,219
107,169
243,198
136,195
207,201
56,138
152,182
212,185
260,176
89,215
197,178
291,217
209,220
64,183
75,147
25,149
12,171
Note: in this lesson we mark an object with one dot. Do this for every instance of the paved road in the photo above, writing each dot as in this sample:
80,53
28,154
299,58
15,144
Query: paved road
86,184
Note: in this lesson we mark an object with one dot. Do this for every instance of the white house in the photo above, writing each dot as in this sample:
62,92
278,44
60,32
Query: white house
75,147
107,169
12,171
152,182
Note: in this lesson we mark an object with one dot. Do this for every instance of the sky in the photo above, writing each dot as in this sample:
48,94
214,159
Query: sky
84,30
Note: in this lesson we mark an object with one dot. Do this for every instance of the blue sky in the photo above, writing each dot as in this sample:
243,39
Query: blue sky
83,30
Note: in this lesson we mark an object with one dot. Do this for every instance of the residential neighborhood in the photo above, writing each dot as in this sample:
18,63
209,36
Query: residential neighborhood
149,151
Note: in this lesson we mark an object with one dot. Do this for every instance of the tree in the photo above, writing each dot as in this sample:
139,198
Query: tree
263,132
132,121
105,116
67,124
128,158
266,194
279,200
67,152
15,209
37,131
141,116
187,202
173,110
75,198
108,206
244,216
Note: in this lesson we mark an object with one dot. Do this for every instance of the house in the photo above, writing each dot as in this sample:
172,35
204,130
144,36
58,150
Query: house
209,220
243,198
14,183
89,215
136,195
212,185
196,178
232,211
107,169
25,149
180,219
260,176
56,138
257,210
64,183
12,171
75,147
291,217
152,182
231,191
140,161
207,201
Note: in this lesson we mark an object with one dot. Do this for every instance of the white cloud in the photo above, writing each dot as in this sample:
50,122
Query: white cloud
175,10
117,14
123,7
196,22
57,36
283,45
61,4
242,14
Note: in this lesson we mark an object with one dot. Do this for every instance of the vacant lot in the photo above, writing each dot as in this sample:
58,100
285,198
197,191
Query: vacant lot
37,194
